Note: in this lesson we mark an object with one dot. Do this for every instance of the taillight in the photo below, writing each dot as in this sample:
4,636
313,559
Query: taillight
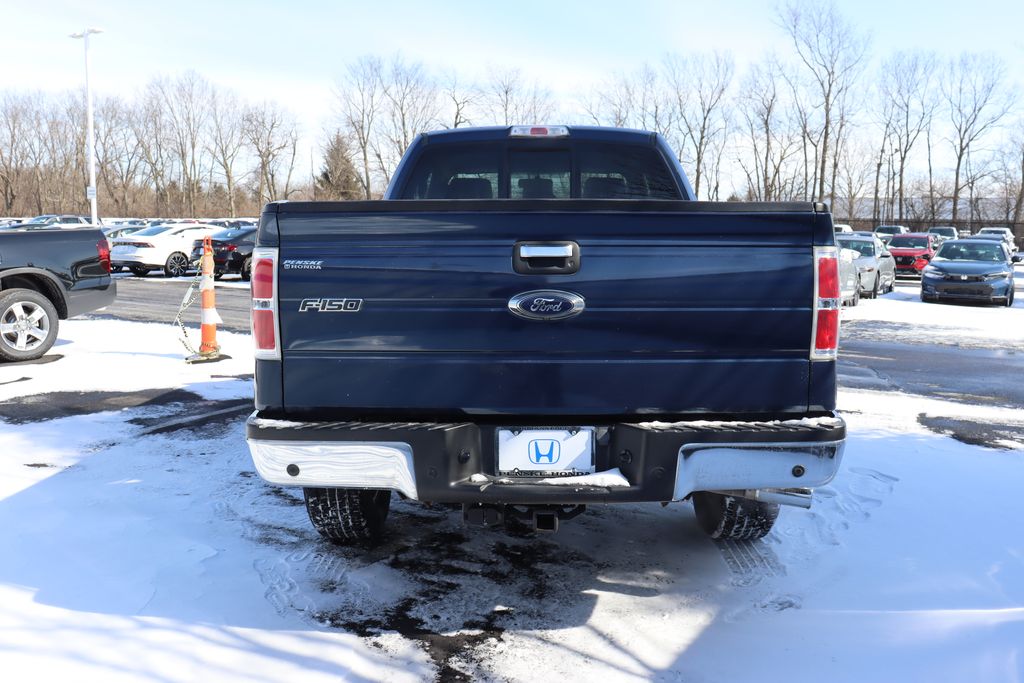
264,303
103,249
230,247
827,299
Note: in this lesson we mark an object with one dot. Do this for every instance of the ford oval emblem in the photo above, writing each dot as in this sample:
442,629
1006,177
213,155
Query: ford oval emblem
546,304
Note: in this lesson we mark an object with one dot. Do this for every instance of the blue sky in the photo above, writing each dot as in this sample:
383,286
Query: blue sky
293,51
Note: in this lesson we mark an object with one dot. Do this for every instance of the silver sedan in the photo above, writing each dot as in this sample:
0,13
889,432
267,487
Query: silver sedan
875,266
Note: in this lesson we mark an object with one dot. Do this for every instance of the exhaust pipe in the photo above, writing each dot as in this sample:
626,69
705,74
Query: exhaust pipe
800,498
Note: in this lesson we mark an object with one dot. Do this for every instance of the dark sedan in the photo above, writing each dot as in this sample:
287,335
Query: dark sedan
232,251
970,270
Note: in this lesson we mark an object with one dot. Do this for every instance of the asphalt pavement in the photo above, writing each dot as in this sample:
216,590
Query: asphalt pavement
154,299
977,376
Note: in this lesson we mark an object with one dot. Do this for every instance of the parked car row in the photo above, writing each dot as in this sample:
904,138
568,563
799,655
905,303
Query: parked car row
175,249
939,233
977,268
48,221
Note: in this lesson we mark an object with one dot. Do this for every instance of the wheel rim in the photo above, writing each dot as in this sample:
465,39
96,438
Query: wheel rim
177,264
24,326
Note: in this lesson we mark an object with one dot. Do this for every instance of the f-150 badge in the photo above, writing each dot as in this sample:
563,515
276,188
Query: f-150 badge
546,304
330,305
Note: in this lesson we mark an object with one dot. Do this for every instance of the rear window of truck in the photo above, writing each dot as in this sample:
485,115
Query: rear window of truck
582,170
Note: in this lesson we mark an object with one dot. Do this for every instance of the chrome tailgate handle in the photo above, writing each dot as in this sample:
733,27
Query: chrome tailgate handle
545,251
546,258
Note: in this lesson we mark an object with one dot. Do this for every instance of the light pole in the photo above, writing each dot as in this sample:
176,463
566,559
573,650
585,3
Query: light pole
90,192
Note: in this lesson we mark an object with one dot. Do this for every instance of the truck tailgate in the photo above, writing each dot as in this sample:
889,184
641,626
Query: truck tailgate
689,308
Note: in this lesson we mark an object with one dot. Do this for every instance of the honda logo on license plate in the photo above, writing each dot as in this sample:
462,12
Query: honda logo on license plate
546,451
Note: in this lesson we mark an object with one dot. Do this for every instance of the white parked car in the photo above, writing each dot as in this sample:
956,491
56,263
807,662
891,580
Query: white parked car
164,247
50,221
1006,233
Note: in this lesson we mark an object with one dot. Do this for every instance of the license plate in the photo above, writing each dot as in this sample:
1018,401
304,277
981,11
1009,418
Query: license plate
545,452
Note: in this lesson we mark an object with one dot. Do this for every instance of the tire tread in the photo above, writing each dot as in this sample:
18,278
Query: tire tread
732,518
347,516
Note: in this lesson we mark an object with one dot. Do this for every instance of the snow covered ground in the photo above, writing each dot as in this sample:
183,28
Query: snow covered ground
965,325
137,544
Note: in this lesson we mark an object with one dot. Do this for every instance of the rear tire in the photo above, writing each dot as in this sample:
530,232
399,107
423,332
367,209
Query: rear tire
27,320
873,294
138,271
246,271
176,265
348,516
728,518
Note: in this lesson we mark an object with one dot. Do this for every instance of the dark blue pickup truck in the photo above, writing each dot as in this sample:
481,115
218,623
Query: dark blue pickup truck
535,319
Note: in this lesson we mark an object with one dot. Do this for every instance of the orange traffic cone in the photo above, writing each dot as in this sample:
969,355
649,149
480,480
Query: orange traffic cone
209,350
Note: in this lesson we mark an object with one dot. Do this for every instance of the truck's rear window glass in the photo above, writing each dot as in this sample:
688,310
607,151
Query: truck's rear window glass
456,172
587,170
618,172
540,174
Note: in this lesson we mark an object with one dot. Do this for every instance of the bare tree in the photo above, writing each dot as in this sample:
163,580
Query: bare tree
185,101
118,151
460,98
152,129
273,136
976,103
612,103
641,99
510,99
60,154
359,95
854,177
908,94
1015,161
805,114
842,140
227,138
768,143
16,113
832,51
702,118
409,107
